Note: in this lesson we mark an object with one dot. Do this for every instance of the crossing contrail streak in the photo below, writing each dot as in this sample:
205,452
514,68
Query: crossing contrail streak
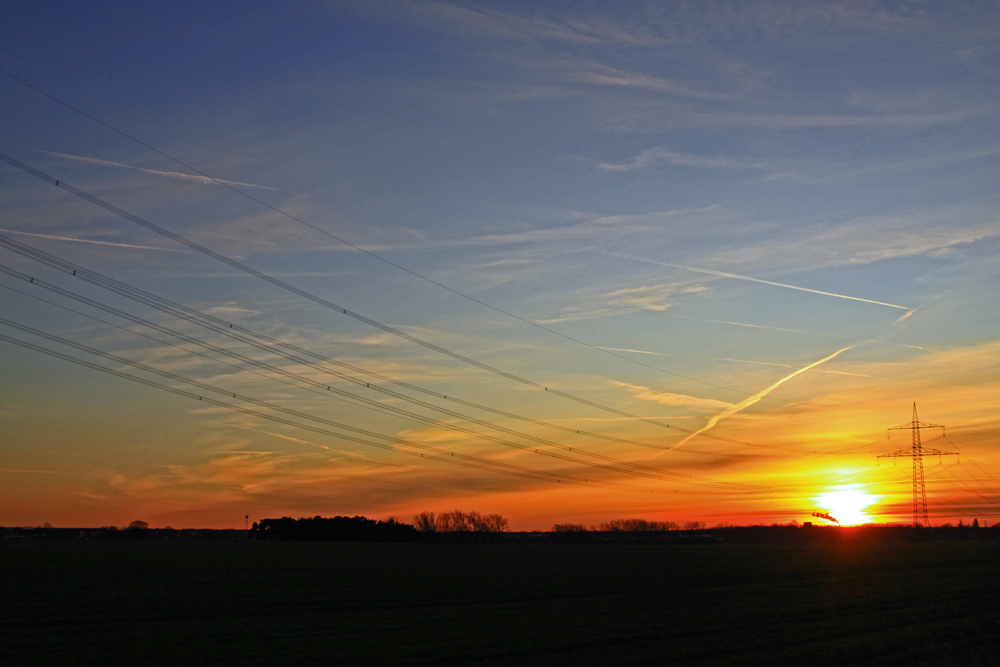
723,274
761,326
624,349
747,402
68,238
204,180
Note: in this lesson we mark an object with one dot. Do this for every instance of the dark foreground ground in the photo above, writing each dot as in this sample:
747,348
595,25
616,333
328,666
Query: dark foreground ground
65,602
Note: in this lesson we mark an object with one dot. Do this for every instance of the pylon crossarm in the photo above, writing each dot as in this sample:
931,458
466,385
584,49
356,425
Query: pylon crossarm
912,425
906,453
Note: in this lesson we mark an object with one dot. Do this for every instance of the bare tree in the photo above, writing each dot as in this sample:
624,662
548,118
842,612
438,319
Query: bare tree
425,522
459,522
637,526
569,528
451,522
496,523
694,525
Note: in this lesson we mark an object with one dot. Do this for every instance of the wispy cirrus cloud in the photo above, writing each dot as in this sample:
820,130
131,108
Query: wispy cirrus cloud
604,75
869,239
666,398
479,22
656,297
662,155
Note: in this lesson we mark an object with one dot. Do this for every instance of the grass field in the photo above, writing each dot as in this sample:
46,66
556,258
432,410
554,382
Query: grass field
220,603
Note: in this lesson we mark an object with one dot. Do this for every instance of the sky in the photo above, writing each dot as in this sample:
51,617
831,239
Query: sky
564,262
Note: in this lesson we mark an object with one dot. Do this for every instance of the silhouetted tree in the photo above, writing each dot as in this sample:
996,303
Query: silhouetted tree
637,526
338,528
569,528
138,525
425,522
460,522
495,523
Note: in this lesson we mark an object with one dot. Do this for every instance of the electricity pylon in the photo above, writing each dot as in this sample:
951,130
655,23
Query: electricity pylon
917,453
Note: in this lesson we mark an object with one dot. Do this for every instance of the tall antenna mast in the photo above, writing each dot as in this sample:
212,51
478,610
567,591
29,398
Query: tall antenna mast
917,452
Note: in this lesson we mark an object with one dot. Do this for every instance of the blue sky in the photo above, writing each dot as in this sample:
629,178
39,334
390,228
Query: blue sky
504,150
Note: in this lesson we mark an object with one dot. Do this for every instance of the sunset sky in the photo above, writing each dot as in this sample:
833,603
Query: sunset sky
774,225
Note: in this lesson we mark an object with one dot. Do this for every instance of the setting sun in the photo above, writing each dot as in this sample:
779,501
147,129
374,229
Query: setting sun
847,505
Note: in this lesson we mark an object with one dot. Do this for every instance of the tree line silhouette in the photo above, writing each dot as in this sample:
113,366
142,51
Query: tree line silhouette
628,526
427,526
334,529
459,522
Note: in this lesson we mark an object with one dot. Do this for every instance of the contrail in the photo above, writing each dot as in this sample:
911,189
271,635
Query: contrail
747,402
622,349
756,280
204,180
69,238
746,361
761,326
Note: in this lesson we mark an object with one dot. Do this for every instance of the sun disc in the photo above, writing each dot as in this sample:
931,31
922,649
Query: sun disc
847,505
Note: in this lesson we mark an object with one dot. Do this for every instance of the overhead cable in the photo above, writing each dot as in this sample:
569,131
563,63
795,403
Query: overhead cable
442,455
636,469
368,252
274,346
319,300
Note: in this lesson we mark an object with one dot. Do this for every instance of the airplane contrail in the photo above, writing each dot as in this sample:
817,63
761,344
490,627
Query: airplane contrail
747,402
204,180
69,238
723,274
761,326
622,349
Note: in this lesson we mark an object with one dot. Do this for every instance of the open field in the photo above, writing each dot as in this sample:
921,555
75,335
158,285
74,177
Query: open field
207,602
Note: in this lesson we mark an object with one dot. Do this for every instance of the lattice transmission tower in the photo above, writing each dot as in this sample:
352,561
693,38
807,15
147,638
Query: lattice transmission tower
917,452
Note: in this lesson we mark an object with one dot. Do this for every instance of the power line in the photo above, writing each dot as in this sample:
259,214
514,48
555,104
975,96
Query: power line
961,481
371,254
197,353
323,302
443,455
272,345
638,469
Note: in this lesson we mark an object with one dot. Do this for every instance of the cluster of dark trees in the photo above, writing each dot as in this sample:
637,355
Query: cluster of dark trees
448,526
459,522
335,529
628,526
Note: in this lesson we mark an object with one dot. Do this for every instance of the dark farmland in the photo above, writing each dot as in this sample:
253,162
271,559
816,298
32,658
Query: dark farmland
236,602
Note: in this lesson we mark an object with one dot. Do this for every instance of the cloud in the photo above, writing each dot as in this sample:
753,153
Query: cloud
650,297
656,298
868,239
660,154
477,22
604,75
664,398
